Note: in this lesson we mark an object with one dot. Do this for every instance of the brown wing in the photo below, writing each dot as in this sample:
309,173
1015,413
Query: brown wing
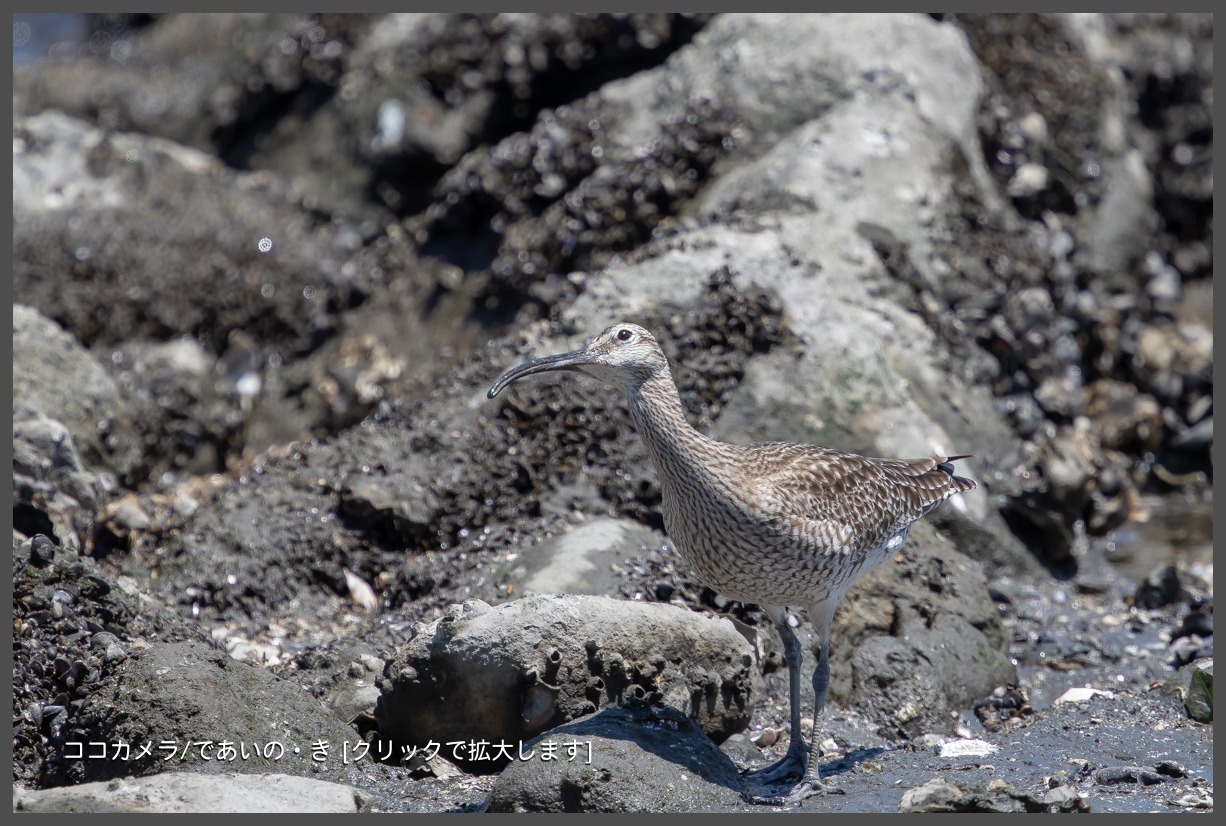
855,500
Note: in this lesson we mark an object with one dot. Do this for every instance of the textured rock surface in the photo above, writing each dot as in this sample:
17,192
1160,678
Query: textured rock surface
641,760
938,795
1200,692
183,792
506,674
920,639
193,698
585,560
976,233
55,376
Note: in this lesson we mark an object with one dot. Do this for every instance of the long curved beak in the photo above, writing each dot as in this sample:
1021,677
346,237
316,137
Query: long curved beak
562,361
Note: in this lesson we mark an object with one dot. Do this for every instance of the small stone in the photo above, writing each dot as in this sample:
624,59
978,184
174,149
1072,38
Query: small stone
42,550
1199,701
1030,179
931,742
741,750
1186,649
363,595
1170,768
1065,799
1081,695
767,738
1160,588
932,793
1192,800
127,514
1112,775
1060,395
372,663
966,748
1033,127
101,640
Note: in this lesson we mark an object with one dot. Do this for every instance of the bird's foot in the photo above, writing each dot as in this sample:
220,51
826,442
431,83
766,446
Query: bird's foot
808,787
793,765
789,766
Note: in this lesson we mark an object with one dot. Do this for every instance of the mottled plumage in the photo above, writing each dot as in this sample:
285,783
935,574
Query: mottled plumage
774,523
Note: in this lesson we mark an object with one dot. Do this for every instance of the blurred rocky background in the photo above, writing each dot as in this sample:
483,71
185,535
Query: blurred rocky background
266,266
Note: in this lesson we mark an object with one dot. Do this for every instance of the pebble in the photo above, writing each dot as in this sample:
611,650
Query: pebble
1127,774
1065,799
363,595
1034,127
42,551
966,748
1171,769
1030,178
1193,800
768,737
1199,700
1081,695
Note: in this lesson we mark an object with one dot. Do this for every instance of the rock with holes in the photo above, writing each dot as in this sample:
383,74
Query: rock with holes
918,639
508,673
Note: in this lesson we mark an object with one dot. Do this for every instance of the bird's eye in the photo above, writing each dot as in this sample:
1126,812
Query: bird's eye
623,335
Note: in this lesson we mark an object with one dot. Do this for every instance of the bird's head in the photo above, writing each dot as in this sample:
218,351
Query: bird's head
624,354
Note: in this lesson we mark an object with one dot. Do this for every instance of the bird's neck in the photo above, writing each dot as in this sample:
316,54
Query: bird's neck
681,454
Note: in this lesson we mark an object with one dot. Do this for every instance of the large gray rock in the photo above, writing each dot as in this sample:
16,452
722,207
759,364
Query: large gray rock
53,493
190,792
859,371
57,377
582,560
641,760
832,58
510,672
869,159
918,639
192,698
234,264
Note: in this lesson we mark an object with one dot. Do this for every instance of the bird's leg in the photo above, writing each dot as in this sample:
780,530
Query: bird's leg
810,784
794,762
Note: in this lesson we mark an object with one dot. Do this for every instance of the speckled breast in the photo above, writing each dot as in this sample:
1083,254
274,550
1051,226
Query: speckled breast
747,557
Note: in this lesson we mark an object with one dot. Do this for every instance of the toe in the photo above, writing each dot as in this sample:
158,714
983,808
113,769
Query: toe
806,789
764,800
789,767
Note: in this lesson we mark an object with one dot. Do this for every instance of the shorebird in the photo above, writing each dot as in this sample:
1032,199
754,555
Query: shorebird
776,524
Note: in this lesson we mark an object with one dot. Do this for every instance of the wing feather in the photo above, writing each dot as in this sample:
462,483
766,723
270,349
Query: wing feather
850,501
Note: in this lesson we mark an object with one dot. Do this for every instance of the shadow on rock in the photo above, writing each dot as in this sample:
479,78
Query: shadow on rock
629,758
